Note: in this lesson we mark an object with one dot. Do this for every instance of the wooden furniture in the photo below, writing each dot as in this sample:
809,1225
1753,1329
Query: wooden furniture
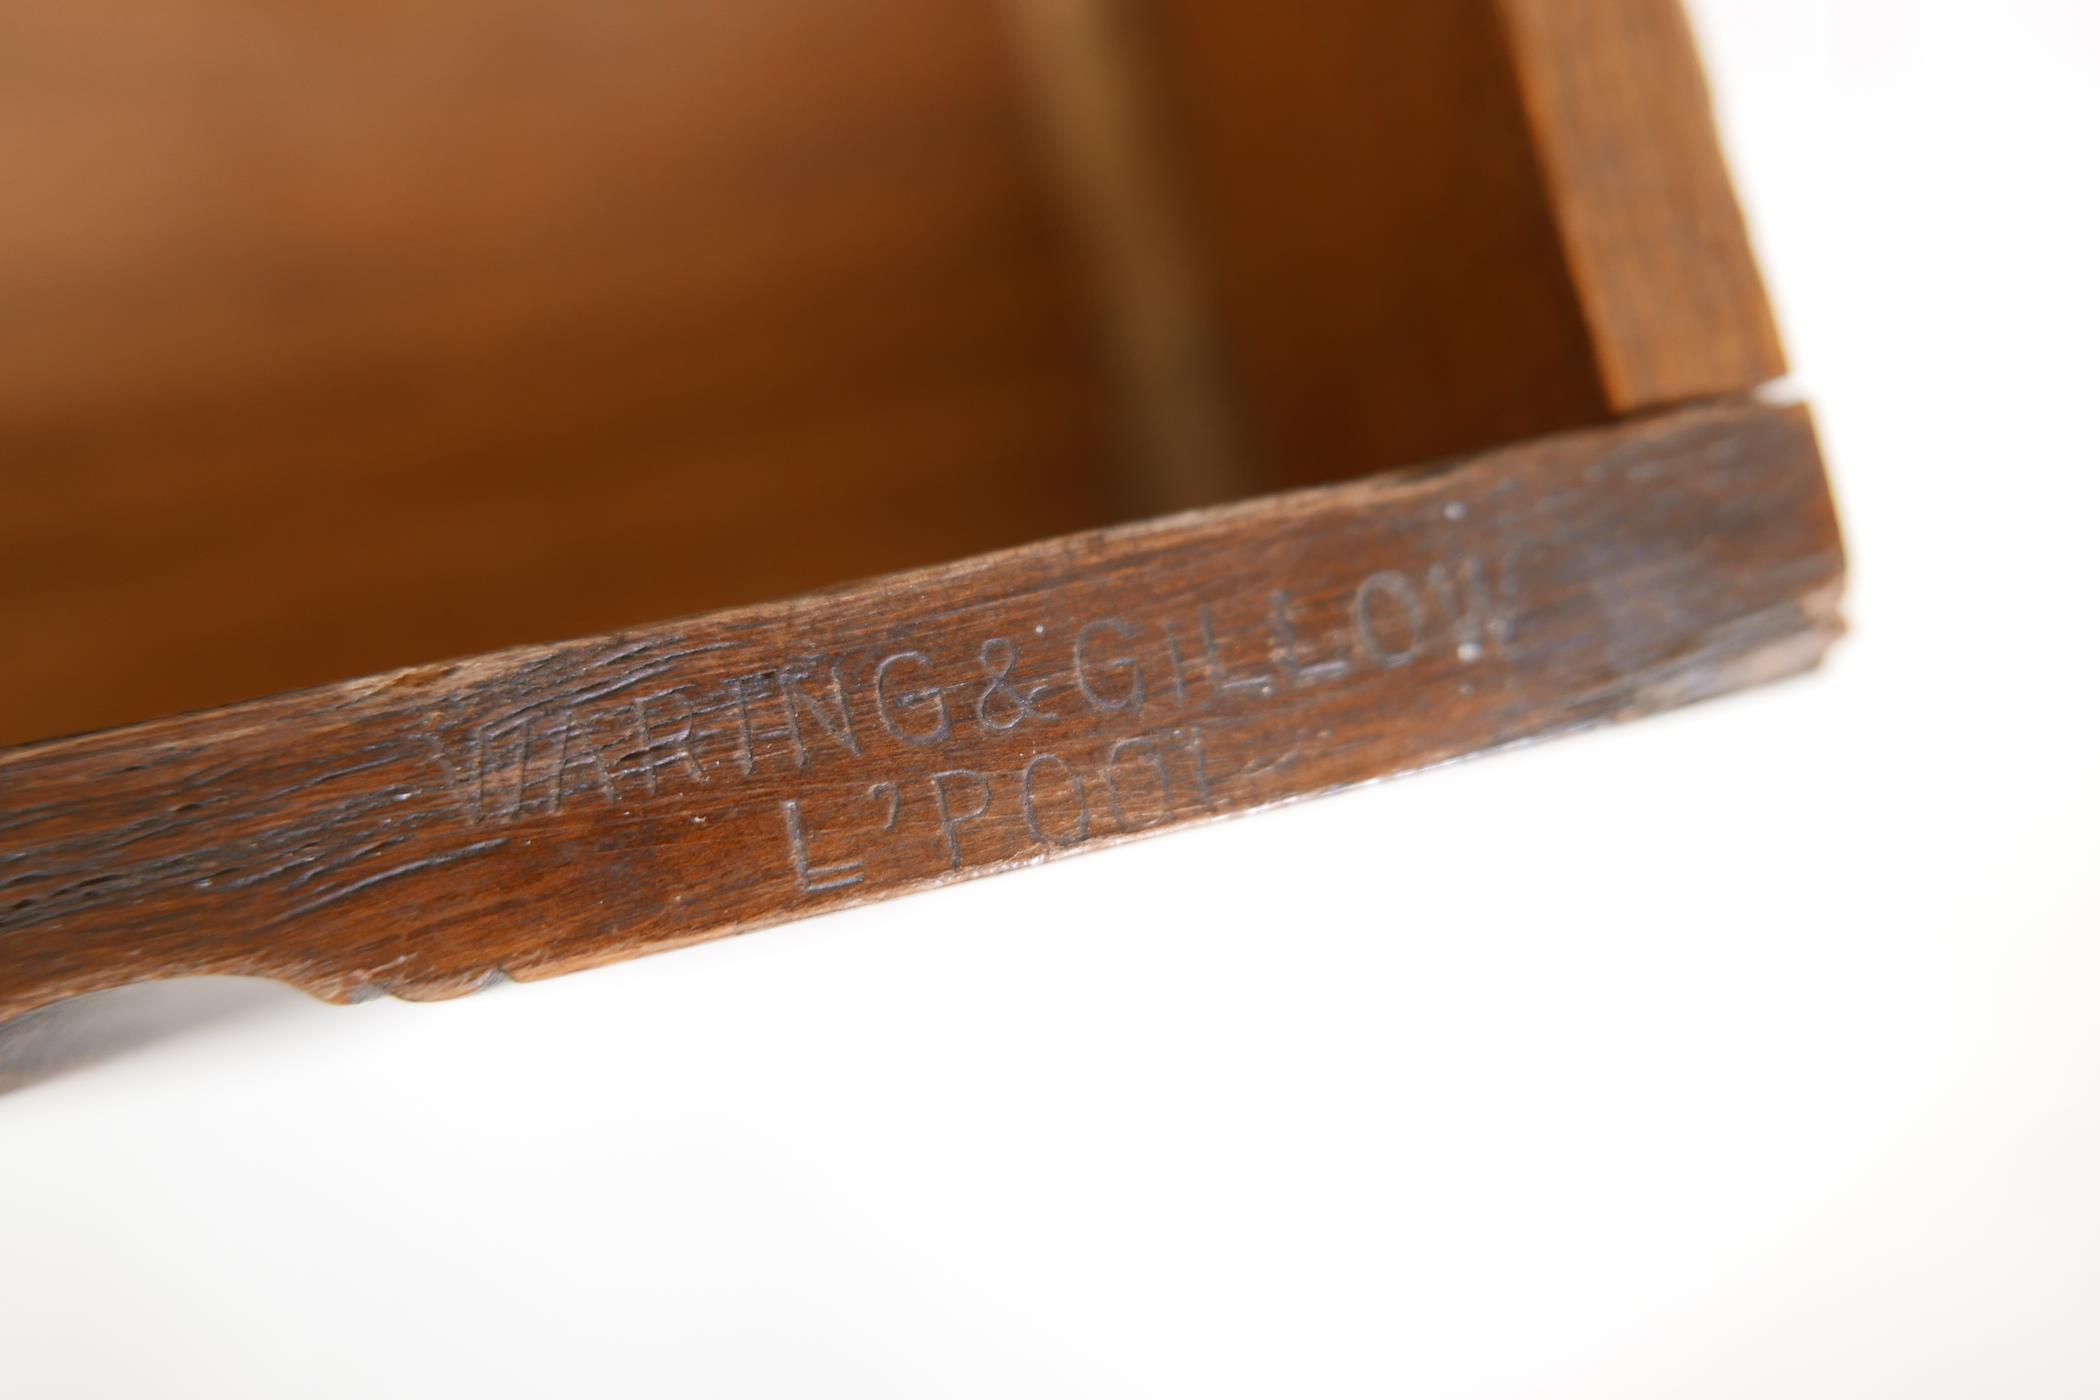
366,337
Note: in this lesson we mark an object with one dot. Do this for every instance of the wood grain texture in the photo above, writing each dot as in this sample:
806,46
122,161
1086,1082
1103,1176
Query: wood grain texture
553,807
1622,124
340,337
345,336
1092,68
1376,229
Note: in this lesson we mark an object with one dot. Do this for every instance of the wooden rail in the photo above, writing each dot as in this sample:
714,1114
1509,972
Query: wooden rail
548,808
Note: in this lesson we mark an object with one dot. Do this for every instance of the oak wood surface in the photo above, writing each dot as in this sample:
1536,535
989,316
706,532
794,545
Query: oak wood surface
336,337
552,807
1623,128
344,336
1381,242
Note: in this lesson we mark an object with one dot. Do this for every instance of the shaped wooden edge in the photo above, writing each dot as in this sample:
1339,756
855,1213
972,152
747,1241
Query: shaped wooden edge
1655,240
549,808
1205,207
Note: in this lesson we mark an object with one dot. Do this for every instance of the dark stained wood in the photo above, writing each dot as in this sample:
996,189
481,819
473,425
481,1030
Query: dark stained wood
346,336
550,808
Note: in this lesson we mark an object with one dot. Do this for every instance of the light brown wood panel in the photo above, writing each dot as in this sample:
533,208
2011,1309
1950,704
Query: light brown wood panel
344,335
352,334
1386,258
1624,130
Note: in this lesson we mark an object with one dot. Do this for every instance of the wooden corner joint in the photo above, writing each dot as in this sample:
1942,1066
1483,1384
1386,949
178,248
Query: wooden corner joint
550,808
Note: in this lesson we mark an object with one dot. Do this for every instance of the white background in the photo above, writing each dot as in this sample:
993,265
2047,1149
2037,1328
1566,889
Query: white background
1750,1051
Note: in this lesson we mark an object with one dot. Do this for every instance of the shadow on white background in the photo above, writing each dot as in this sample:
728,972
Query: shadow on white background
92,1030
